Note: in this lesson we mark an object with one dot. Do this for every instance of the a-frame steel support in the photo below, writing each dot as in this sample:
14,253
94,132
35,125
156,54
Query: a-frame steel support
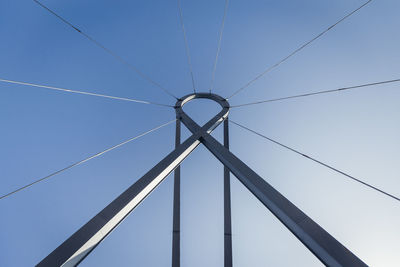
177,202
324,246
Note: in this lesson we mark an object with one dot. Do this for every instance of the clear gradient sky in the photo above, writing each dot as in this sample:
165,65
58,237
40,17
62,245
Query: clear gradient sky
43,131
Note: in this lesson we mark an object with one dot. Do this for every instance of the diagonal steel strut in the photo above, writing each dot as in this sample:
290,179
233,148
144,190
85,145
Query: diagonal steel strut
324,246
313,236
83,241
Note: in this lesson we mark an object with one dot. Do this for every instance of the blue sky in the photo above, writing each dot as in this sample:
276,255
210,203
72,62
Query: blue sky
43,131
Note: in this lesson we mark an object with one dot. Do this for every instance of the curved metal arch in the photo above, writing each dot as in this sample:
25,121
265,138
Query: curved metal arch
211,124
220,100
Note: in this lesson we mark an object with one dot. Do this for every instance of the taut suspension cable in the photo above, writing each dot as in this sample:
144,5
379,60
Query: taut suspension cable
186,46
316,93
120,59
319,162
84,160
219,45
83,93
297,50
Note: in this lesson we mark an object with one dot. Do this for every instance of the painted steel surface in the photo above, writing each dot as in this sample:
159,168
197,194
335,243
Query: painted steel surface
314,237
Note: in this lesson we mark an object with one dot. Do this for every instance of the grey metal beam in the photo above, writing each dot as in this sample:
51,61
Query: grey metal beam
72,251
176,223
227,205
82,242
324,246
313,236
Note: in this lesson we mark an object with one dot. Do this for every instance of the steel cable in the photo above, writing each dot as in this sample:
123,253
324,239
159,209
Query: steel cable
83,93
186,46
219,45
319,162
297,50
110,52
316,93
84,160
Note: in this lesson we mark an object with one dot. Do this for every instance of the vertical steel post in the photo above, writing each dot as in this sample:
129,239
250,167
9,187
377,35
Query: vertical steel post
227,205
176,224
